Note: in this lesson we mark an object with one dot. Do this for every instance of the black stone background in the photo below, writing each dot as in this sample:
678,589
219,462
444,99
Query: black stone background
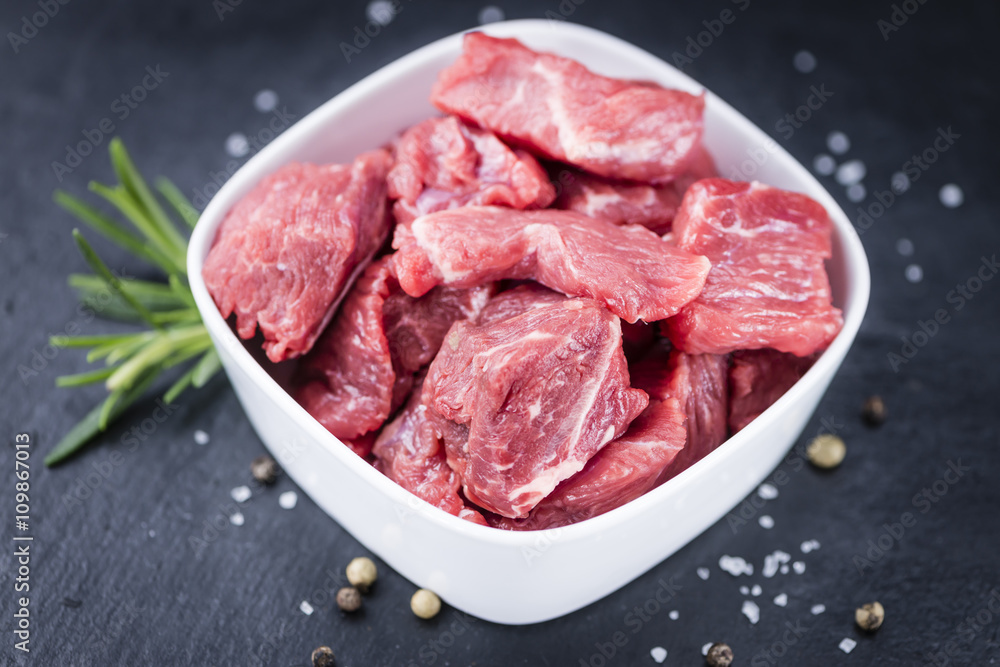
114,580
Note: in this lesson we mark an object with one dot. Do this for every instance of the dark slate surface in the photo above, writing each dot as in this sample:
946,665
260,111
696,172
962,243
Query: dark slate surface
114,580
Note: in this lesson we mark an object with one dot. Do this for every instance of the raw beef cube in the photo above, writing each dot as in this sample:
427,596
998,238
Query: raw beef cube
768,286
559,109
758,378
624,470
347,380
516,301
443,163
537,394
410,452
621,202
628,202
285,254
629,268
362,367
415,327
699,383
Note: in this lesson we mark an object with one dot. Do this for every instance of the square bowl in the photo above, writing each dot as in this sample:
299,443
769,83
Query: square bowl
501,576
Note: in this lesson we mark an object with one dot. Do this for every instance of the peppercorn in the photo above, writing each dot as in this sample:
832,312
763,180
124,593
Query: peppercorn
425,604
322,657
719,655
349,598
826,451
873,413
869,616
361,572
265,469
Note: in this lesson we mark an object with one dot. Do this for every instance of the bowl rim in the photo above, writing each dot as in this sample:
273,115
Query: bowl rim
275,154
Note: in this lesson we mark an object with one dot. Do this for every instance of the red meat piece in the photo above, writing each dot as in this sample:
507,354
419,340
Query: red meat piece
410,452
629,268
285,254
443,163
362,367
699,383
537,395
758,378
768,286
628,202
627,467
559,109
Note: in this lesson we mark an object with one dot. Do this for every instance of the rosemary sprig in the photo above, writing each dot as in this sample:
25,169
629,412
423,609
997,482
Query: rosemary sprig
175,334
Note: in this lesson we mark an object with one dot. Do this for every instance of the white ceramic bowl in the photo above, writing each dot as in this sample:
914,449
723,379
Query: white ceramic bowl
501,576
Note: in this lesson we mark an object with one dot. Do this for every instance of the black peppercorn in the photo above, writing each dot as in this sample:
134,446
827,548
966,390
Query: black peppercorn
322,657
719,655
264,469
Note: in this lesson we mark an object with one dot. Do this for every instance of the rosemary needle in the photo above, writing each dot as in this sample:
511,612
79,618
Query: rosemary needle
174,333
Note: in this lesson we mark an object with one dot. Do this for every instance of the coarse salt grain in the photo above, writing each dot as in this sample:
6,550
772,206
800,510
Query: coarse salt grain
490,14
756,590
773,561
817,609
784,569
847,644
288,499
704,649
766,522
735,565
809,545
236,519
240,494
200,437
751,611
951,195
799,567
804,61
306,608
744,590
265,100
824,165
852,171
781,599
237,144
914,273
856,192
658,653
838,143
380,11
703,573
674,615
767,491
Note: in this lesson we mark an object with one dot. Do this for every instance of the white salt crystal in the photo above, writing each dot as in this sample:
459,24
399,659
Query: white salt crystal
773,561
751,611
735,565
288,499
240,494
767,491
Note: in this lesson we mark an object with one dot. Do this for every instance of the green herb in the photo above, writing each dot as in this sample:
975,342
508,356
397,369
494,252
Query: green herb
174,332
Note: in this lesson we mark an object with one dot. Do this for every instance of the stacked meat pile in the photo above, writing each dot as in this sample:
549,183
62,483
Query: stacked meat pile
574,308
